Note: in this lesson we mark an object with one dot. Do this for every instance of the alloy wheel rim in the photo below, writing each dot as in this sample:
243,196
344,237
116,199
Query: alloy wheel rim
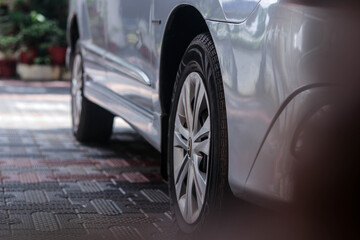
76,91
191,147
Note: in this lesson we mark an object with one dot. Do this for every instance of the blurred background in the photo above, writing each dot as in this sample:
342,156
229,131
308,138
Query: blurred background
33,39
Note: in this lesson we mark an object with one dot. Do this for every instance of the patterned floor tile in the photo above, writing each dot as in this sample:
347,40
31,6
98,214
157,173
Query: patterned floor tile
53,187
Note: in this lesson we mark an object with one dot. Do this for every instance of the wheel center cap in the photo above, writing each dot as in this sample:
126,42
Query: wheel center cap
189,147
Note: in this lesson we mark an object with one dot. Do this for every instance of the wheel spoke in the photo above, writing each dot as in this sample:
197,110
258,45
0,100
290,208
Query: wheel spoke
179,141
179,127
187,106
203,131
201,147
79,77
78,101
181,167
200,185
189,199
74,87
76,90
180,178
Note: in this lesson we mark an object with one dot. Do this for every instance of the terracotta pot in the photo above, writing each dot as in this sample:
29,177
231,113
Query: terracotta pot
57,55
28,56
7,68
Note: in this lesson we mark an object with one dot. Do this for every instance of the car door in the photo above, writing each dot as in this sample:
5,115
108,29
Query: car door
94,47
129,56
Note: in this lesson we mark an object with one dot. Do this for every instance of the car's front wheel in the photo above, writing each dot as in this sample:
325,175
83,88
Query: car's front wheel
197,146
90,122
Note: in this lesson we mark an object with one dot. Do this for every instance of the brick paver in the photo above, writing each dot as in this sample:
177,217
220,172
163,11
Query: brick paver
53,187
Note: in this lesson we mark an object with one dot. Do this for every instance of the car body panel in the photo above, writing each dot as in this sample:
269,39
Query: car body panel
236,11
129,56
271,175
217,10
266,52
264,60
126,66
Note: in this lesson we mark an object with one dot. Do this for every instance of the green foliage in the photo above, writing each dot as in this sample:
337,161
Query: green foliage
35,24
51,9
37,33
45,60
58,37
21,5
19,19
43,52
9,44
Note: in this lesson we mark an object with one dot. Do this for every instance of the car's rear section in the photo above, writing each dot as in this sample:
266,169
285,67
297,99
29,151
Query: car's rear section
277,65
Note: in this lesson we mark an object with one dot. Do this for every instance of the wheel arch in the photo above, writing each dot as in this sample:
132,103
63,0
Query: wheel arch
183,25
73,34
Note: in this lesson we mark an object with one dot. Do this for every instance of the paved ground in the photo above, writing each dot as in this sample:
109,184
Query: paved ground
53,187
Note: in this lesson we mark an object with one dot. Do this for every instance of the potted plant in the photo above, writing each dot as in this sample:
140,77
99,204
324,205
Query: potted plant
34,30
41,36
57,36
11,24
8,45
57,50
41,68
23,20
27,54
37,36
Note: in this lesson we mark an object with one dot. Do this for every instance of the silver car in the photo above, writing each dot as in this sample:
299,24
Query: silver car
218,86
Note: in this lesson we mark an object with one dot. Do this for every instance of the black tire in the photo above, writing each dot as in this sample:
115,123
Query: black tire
95,123
201,57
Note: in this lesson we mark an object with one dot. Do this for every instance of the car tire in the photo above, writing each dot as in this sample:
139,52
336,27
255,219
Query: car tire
90,122
198,146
